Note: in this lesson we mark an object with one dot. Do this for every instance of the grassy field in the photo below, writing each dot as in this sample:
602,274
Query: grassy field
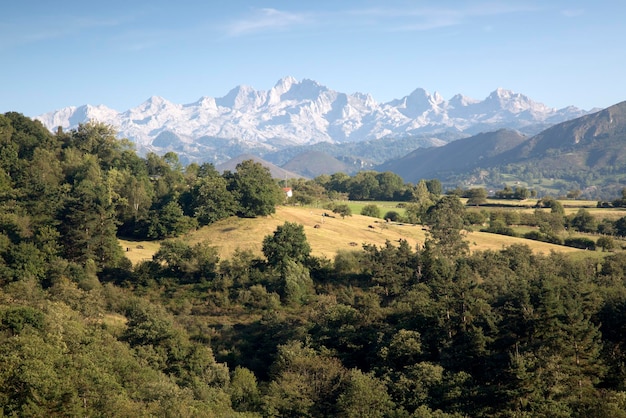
331,235
138,251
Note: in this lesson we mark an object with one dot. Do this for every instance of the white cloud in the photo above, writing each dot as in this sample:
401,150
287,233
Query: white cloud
266,20
423,19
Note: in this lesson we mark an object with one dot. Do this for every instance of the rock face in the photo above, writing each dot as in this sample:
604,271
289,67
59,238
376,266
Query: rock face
304,112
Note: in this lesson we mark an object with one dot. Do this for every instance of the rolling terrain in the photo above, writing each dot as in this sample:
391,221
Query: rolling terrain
332,235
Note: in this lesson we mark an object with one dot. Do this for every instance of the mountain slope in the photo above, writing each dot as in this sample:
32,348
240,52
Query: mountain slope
587,153
462,155
275,171
314,163
591,141
303,113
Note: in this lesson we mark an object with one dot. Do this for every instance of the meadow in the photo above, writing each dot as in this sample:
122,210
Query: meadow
326,234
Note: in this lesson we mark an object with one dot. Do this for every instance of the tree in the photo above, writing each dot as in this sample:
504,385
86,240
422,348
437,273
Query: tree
169,221
606,243
390,186
209,199
89,225
254,189
422,195
365,396
434,187
306,383
296,284
446,220
364,186
343,210
243,390
287,243
476,196
583,221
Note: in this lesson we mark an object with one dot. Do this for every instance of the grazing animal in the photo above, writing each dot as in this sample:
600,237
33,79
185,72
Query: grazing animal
317,226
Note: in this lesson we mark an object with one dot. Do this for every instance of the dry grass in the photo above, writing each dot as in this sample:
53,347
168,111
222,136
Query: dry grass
137,251
332,235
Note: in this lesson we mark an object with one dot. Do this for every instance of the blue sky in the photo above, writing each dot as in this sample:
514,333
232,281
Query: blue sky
119,53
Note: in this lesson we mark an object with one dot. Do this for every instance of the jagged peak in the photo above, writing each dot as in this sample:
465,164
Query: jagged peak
285,83
156,100
419,92
462,100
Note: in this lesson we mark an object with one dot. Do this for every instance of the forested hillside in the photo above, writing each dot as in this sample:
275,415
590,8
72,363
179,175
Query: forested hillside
376,331
586,154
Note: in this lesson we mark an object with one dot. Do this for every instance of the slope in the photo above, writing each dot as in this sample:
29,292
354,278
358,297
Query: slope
277,172
332,235
460,156
314,163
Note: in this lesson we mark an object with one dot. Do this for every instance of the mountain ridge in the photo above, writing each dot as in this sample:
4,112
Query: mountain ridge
587,153
294,113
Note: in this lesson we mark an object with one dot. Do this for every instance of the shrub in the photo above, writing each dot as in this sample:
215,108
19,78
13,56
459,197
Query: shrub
371,210
393,216
580,242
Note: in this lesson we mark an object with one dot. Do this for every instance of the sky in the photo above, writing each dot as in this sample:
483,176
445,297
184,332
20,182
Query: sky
119,53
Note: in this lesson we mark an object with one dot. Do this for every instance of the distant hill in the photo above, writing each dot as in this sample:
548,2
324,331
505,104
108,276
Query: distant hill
277,172
365,155
456,157
314,163
587,153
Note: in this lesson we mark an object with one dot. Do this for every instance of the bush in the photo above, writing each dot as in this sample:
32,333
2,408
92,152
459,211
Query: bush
393,216
371,210
500,229
580,242
539,236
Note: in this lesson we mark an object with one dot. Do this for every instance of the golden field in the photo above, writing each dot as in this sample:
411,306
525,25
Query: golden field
331,234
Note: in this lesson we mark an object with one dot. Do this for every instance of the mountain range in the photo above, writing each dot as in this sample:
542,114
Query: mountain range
587,153
301,113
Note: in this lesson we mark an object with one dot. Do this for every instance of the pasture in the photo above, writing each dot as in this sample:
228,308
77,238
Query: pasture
325,234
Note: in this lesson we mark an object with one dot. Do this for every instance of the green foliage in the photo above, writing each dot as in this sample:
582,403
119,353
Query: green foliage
446,221
393,216
583,221
254,189
382,331
168,222
606,243
209,198
188,263
364,396
371,210
342,209
476,196
297,285
580,242
288,242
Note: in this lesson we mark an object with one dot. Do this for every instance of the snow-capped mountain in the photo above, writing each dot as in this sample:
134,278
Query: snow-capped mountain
304,112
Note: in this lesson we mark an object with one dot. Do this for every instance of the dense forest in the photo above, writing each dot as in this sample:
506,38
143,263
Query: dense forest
390,331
